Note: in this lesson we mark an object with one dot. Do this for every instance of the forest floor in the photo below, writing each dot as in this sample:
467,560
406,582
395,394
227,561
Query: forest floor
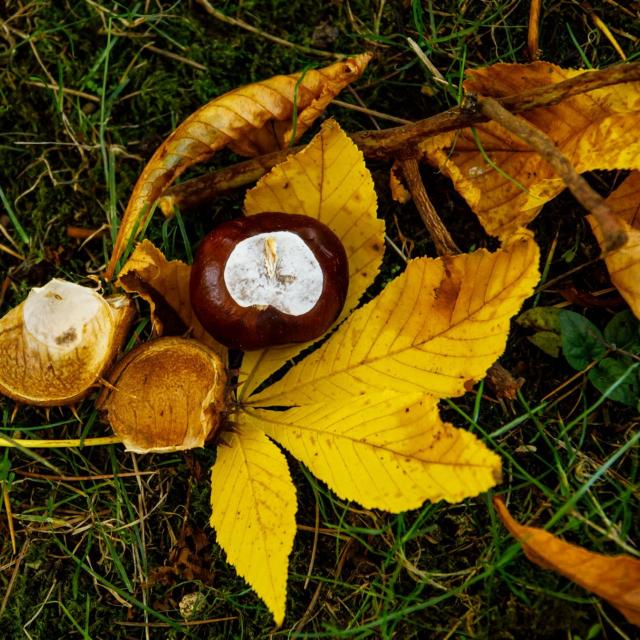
106,540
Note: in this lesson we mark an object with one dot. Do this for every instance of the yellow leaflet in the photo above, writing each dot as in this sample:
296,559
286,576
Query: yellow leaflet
435,329
595,130
624,264
388,451
250,120
254,507
329,181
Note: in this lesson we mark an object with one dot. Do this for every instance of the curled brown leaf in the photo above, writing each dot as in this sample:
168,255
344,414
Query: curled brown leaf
251,120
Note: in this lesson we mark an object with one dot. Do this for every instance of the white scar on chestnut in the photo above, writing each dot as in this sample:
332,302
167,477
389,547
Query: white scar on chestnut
274,269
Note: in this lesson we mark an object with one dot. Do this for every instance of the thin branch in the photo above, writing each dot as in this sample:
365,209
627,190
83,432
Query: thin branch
236,22
613,232
533,34
439,233
388,143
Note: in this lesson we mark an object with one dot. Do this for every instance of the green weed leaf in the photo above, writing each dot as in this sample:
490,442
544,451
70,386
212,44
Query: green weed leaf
582,342
610,370
622,331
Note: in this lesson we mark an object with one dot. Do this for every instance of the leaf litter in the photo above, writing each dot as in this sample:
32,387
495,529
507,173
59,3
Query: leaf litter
429,335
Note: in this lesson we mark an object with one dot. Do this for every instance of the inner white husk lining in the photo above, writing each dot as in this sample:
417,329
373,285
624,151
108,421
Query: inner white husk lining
57,313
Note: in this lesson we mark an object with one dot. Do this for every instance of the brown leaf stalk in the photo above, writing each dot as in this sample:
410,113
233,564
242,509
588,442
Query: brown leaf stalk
533,35
439,233
613,232
388,143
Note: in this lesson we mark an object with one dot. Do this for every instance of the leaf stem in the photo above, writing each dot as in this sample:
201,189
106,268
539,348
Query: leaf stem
71,443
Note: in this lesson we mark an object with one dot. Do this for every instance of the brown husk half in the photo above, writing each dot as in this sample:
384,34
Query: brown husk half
34,373
166,395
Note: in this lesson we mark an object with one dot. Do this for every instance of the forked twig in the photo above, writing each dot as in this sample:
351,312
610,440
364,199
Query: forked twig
388,143
613,232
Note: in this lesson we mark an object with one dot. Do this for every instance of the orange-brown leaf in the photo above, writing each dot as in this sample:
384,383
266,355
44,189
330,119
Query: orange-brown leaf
614,578
251,120
624,264
595,130
165,286
398,191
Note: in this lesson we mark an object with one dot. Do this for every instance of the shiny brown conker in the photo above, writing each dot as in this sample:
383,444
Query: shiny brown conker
269,279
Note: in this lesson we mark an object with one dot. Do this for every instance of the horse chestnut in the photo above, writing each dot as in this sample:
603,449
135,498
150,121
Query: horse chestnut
269,279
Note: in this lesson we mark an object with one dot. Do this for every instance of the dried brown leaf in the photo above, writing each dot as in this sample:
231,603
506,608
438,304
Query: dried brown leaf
624,263
595,130
251,120
165,286
614,578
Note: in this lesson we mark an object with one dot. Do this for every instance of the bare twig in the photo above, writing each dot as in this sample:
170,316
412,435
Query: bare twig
613,232
175,56
439,233
370,112
56,87
236,22
388,143
534,30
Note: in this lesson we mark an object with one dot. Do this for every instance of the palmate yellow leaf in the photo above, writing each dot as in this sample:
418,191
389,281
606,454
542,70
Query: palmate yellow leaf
595,130
165,286
388,451
250,120
624,263
436,329
329,181
254,506
614,578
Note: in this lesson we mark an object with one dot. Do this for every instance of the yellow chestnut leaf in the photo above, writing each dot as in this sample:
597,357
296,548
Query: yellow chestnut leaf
614,578
164,285
595,130
328,180
386,451
624,263
250,120
435,329
253,503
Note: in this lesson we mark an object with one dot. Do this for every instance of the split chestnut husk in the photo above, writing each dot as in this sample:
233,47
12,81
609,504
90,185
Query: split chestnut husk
57,343
166,395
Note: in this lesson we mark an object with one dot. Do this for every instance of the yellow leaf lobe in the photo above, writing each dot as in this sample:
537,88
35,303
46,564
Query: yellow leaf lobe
254,504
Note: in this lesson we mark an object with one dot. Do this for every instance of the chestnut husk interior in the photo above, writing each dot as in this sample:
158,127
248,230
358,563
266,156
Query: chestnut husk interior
249,328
